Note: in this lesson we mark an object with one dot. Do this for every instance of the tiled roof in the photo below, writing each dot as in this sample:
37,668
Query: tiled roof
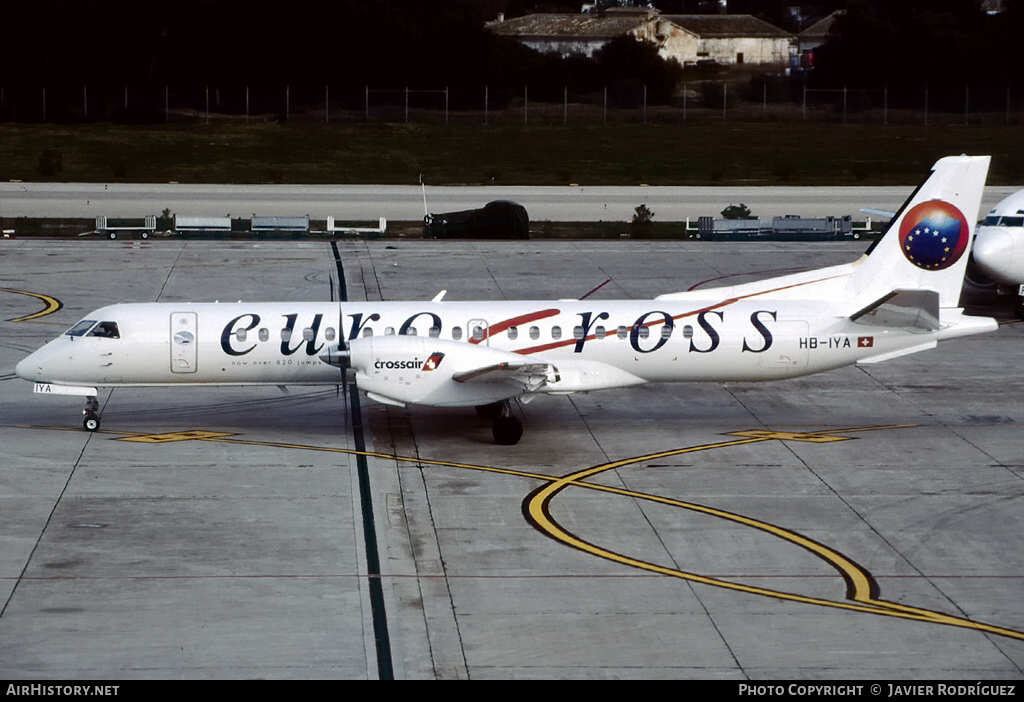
577,25
727,26
821,27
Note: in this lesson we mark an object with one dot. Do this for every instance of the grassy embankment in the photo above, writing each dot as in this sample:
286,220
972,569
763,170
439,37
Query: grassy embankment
620,154
614,154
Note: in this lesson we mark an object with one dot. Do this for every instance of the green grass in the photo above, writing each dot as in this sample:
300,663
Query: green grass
619,154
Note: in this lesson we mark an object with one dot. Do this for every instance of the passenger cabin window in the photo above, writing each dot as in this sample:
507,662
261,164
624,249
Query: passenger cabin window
286,334
666,331
534,333
329,333
478,333
434,332
241,335
264,334
307,334
599,332
106,330
456,333
367,331
389,331
687,332
411,331
622,332
513,333
556,332
81,328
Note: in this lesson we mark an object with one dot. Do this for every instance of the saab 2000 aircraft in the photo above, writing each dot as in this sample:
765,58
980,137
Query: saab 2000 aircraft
900,298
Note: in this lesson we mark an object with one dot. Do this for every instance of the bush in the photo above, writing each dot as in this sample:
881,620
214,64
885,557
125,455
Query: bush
739,211
643,216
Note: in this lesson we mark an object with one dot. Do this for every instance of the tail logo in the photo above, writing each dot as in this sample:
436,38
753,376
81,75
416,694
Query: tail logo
933,235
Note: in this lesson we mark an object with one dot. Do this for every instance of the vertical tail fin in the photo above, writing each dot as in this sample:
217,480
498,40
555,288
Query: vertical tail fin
928,242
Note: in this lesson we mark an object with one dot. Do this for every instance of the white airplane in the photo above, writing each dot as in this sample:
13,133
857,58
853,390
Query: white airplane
999,248
900,298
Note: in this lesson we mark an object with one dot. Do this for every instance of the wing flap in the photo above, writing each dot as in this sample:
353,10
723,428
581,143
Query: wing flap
528,376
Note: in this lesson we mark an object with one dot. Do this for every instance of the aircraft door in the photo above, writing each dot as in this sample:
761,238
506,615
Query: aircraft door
184,342
478,332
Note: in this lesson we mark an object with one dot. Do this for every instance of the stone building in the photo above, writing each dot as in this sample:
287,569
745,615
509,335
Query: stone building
688,39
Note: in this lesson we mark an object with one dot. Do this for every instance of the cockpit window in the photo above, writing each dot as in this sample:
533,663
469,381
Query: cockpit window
81,328
1001,221
106,330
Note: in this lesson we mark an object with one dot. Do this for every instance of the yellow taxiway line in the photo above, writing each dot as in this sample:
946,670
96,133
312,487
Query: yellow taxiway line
52,305
862,590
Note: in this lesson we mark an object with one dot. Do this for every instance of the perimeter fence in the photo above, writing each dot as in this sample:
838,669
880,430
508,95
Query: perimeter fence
625,102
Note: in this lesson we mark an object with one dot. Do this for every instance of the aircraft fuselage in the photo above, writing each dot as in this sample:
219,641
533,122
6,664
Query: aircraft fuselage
281,342
901,297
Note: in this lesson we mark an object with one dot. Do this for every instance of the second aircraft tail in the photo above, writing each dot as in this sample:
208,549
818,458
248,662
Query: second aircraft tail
928,242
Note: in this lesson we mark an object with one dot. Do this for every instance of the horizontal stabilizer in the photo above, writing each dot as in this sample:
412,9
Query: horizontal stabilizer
902,309
878,358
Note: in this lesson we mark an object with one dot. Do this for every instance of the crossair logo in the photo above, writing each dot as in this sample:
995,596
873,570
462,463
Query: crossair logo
415,364
934,235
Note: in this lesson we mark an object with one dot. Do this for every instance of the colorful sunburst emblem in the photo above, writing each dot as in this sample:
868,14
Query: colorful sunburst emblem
934,235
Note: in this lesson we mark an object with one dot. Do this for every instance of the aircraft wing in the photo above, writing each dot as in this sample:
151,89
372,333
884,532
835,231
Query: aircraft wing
529,376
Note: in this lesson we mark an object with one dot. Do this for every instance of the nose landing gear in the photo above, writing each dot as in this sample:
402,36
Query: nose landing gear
92,414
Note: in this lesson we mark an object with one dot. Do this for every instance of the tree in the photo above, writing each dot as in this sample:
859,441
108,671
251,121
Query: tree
625,59
643,216
917,43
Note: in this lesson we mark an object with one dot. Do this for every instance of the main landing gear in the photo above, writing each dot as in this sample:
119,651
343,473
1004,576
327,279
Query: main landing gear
92,414
507,430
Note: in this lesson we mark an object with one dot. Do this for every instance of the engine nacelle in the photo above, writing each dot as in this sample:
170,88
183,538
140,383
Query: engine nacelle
418,370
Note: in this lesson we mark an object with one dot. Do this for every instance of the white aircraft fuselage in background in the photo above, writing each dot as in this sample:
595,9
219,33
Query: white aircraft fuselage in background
901,298
999,247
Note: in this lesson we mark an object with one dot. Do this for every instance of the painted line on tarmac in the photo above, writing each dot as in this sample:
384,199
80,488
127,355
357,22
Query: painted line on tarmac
862,590
52,304
382,638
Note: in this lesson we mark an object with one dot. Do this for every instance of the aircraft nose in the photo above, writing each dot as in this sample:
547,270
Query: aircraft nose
28,368
37,366
994,252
